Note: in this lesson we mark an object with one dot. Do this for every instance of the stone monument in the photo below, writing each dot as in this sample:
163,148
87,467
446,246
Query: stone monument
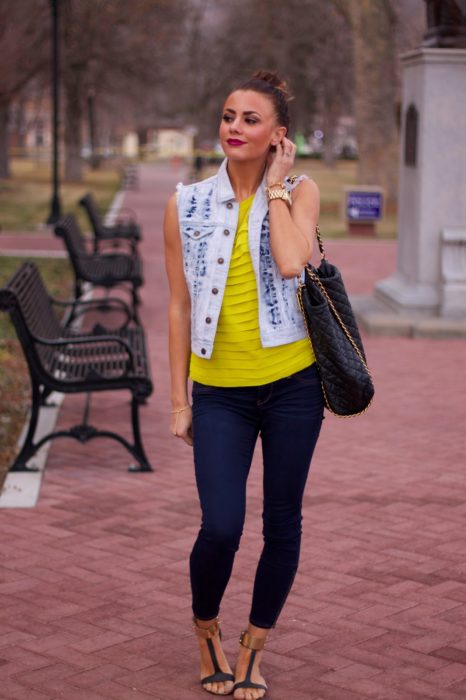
427,293
446,22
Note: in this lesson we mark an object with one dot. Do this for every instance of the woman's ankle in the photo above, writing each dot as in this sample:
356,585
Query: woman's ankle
205,624
258,632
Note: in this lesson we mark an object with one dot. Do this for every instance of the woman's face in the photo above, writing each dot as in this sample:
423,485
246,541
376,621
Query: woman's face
249,126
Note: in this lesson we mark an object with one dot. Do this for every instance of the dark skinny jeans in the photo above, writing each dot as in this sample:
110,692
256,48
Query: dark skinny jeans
288,415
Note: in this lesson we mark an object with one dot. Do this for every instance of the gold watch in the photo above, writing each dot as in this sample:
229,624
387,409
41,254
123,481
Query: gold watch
278,191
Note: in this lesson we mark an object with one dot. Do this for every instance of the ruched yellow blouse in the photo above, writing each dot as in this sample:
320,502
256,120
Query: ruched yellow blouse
238,358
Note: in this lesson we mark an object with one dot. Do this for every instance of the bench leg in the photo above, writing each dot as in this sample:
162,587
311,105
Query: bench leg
28,448
72,314
136,299
82,433
139,453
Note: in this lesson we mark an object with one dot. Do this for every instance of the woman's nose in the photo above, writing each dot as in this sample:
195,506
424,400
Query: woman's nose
235,126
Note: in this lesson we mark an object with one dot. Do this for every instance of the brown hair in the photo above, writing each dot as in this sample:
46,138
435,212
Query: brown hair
269,83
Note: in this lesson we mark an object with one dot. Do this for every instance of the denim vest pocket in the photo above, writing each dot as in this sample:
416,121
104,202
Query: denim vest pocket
196,231
195,239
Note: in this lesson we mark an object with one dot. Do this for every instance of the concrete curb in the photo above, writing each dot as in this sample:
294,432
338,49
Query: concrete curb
376,318
21,489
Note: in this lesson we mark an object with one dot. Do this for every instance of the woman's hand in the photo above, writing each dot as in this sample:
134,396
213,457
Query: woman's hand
181,424
281,161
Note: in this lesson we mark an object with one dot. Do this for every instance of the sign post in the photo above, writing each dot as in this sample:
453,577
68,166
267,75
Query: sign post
363,208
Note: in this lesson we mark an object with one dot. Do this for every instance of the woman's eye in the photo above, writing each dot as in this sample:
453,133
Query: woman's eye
227,118
251,121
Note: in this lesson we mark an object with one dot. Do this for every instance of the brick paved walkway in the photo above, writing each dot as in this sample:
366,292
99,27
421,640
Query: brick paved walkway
32,244
94,584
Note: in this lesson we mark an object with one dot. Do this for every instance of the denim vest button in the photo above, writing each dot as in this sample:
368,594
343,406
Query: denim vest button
229,205
203,351
215,290
197,233
226,232
220,261
208,320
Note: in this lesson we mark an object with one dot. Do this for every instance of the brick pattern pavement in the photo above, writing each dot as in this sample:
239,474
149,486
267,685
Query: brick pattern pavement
31,244
94,581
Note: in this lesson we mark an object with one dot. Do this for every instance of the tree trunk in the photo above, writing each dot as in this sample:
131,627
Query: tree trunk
73,123
329,125
375,94
4,160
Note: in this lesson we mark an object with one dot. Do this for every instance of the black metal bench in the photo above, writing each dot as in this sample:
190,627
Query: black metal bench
124,228
102,270
130,178
60,359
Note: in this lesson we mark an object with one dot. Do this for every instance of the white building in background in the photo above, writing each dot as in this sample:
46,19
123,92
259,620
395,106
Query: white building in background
170,142
130,145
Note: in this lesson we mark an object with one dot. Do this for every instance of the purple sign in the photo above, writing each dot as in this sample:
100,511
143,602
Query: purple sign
364,206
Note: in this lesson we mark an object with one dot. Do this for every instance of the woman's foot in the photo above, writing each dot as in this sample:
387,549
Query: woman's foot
249,683
216,674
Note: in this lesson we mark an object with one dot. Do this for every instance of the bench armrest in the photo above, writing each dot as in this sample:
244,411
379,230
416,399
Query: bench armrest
90,304
127,246
127,212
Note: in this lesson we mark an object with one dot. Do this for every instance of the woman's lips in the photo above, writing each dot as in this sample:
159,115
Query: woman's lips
235,142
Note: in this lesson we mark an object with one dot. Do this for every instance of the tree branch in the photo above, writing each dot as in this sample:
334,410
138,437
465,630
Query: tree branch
343,7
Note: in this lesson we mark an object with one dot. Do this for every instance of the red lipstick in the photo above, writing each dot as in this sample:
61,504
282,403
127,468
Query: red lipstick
235,142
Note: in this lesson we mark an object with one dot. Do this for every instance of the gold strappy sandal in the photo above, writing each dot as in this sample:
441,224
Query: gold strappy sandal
256,644
218,676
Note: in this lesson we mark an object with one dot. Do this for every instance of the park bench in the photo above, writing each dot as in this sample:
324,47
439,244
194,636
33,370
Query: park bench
130,178
106,270
125,228
64,360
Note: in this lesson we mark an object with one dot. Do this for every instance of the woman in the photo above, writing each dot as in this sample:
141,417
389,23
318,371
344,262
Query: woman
235,244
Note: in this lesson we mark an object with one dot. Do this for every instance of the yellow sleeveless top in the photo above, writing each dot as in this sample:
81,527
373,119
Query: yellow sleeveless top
238,358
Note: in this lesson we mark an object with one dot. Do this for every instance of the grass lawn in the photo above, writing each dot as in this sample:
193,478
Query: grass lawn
14,376
331,182
25,197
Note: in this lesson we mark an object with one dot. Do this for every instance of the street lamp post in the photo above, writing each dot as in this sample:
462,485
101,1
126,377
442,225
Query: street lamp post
94,158
55,205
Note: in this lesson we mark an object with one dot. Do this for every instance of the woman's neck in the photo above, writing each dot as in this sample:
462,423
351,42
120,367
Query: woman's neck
245,178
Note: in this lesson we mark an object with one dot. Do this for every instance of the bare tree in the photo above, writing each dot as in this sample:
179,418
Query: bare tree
375,100
224,43
112,48
23,44
380,29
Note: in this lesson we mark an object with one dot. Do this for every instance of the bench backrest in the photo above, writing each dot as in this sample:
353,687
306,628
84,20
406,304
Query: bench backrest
68,229
89,204
26,299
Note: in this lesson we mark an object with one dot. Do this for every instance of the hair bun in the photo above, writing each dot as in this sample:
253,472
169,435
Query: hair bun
273,79
269,83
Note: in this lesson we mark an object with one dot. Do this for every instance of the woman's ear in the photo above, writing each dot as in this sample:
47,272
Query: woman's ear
279,135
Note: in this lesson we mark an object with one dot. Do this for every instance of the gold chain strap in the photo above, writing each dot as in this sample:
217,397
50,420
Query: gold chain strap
316,279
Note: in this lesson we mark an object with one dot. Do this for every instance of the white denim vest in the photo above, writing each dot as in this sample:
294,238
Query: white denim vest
208,218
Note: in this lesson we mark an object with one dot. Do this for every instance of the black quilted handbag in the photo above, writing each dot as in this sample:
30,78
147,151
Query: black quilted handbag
346,381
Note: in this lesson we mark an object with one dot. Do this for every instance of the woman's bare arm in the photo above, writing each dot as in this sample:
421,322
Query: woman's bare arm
291,231
179,321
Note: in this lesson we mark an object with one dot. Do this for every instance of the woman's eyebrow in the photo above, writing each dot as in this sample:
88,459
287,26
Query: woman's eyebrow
247,112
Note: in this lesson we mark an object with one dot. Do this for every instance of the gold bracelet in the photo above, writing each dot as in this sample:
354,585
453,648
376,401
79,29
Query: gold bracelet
180,410
275,184
278,193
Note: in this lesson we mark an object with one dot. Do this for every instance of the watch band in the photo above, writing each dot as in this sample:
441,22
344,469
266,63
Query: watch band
278,191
